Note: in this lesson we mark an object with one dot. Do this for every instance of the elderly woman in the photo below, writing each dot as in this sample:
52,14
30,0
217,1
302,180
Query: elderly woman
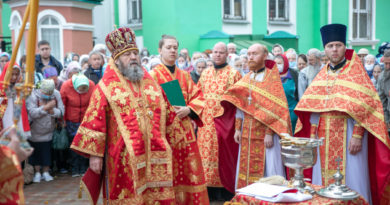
4,58
376,71
50,72
44,106
289,79
95,69
369,63
67,73
302,62
199,66
84,62
76,93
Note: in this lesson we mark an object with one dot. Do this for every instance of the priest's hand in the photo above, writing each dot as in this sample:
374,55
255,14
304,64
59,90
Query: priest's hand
268,141
96,164
14,144
237,136
182,111
355,145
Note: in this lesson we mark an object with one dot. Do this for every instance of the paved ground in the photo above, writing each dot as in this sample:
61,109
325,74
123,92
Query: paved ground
62,190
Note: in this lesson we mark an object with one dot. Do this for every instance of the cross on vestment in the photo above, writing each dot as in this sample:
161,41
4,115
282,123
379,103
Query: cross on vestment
152,93
120,95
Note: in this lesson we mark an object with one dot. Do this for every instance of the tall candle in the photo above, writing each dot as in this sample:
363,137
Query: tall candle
32,39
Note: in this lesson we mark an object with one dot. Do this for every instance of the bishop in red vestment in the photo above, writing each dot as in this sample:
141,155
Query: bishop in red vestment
131,133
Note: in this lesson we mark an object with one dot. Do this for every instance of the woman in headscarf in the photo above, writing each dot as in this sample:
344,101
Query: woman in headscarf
72,68
76,93
289,79
7,105
44,106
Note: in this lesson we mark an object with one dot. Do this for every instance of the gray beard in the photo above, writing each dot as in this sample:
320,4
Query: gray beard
134,73
313,71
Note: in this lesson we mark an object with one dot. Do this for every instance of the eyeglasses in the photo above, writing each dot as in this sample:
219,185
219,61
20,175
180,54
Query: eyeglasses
3,61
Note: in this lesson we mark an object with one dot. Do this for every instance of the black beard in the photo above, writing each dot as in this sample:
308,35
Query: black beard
132,72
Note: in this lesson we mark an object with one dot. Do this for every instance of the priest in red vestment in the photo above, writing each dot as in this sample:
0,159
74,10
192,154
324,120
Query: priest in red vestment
189,186
131,134
11,175
261,120
342,106
219,156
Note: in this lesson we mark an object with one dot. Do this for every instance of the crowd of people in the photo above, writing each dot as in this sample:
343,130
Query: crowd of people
238,104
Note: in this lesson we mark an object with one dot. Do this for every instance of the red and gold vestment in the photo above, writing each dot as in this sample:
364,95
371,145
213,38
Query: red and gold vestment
192,188
213,82
337,97
11,178
138,133
265,113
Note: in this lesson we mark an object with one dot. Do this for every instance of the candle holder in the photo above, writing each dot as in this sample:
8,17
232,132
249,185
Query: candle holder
20,91
18,94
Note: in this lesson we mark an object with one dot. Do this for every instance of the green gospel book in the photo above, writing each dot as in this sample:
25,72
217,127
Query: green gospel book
174,93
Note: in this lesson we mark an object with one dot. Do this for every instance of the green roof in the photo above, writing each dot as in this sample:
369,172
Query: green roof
280,34
246,43
215,34
91,1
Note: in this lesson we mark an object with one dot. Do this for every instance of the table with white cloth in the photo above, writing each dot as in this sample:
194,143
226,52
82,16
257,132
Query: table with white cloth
240,199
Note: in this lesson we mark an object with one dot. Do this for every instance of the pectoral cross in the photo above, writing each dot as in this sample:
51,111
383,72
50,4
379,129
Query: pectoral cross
249,100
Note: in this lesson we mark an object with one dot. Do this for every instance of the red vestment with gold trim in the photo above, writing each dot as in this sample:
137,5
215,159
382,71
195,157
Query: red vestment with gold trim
266,113
213,82
192,186
137,131
350,94
11,178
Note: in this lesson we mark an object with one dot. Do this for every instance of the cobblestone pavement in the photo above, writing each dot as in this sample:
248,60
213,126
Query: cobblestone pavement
64,189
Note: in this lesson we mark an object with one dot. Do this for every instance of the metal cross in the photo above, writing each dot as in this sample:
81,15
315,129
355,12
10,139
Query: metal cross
338,160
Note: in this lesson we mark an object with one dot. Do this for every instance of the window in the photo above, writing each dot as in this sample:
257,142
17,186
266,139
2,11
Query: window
361,19
278,10
234,9
16,24
134,12
50,31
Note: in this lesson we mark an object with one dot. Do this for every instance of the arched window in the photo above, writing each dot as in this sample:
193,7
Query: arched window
15,25
50,30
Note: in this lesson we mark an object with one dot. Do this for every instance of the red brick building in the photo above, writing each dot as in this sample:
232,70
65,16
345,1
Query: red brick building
66,24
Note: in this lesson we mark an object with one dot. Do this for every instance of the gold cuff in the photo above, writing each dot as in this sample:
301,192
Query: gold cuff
238,124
